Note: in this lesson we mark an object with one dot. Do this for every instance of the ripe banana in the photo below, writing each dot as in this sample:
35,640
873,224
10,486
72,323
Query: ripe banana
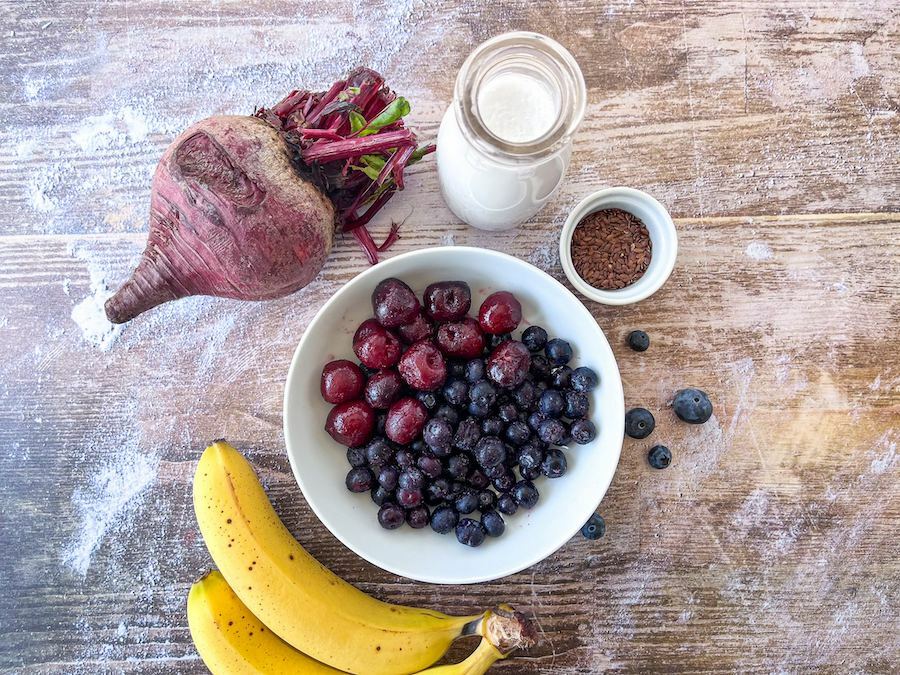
297,597
232,641
477,663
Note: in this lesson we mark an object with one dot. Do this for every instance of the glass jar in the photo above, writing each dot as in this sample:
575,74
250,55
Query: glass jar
505,142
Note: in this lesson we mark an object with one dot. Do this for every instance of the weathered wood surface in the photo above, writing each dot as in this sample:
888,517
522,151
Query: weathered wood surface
770,130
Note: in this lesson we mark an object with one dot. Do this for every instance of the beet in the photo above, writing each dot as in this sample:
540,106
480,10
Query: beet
247,207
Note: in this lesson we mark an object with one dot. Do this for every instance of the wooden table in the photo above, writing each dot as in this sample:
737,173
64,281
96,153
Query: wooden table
769,129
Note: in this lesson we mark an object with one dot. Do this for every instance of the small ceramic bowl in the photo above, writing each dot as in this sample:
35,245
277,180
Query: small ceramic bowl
662,235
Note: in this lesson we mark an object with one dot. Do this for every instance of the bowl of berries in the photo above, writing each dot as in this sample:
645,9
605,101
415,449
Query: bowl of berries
453,415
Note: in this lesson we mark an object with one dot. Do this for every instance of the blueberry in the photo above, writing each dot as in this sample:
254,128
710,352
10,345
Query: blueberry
438,491
418,517
359,479
505,482
437,433
577,404
479,410
444,519
554,464
638,340
467,434
594,528
455,392
525,397
692,406
418,446
558,352
356,456
583,431
584,379
466,502
534,337
470,532
530,456
380,420
551,431
507,412
405,458
388,477
530,473
378,452
449,413
551,403
490,451
380,495
639,423
535,419
430,466
495,340
478,479
540,366
507,504
409,497
428,399
492,426
487,500
458,466
561,377
391,516
659,457
456,369
525,494
368,372
495,471
475,370
411,478
483,393
517,433
493,524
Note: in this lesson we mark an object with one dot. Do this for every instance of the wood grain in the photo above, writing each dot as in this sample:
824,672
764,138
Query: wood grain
771,132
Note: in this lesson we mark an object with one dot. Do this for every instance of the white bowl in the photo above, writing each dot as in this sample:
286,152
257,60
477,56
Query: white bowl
320,464
662,235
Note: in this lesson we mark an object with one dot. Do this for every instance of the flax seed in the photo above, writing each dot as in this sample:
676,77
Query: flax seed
611,249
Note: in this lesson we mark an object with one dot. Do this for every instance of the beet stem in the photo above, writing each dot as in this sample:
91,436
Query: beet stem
329,151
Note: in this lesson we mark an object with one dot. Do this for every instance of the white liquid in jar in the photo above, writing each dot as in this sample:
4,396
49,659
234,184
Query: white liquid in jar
516,107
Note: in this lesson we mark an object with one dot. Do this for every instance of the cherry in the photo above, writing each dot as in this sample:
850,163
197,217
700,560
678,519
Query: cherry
383,388
447,300
500,313
509,363
462,339
394,303
375,346
423,367
342,381
351,423
419,328
405,420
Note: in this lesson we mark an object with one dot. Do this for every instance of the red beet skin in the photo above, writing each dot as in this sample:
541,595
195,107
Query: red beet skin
229,216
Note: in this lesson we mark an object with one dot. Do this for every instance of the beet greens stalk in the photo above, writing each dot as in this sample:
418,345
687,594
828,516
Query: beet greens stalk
352,143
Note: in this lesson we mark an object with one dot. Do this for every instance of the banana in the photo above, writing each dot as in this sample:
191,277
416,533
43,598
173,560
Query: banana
232,641
477,663
294,595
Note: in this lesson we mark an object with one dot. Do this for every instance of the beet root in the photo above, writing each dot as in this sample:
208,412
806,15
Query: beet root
230,216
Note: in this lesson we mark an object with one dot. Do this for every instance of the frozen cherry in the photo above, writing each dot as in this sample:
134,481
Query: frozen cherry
462,339
405,420
500,313
342,381
375,346
383,388
359,479
391,516
394,303
423,367
447,300
351,423
419,328
418,517
509,363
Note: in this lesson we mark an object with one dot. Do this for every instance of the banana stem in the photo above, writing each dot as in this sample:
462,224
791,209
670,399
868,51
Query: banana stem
477,663
507,630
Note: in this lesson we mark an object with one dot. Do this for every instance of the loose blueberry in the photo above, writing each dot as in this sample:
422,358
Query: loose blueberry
428,399
584,379
551,431
475,370
495,341
561,377
552,403
692,406
356,456
479,410
659,457
525,494
490,451
391,516
493,524
583,431
487,500
535,420
638,340
577,404
559,352
359,479
341,381
530,473
483,393
535,338
405,458
554,464
394,303
438,491
456,369
639,423
507,412
526,396
594,528
444,519
507,504
470,532
418,517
